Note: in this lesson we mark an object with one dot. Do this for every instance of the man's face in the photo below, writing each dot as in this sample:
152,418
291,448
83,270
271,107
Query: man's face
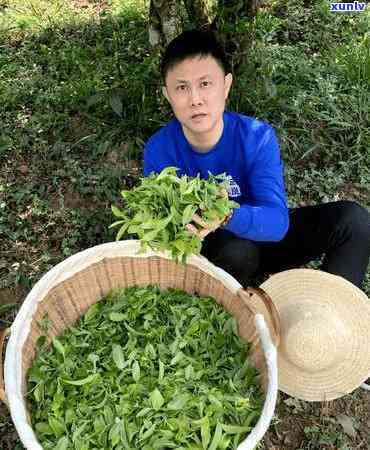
197,89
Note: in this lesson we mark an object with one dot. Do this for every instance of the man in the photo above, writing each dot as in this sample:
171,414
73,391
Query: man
263,235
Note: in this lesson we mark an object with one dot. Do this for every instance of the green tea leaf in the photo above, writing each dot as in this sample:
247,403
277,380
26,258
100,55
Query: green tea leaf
59,347
205,432
179,357
39,393
88,379
235,429
78,431
177,403
217,436
189,372
161,371
188,214
57,426
136,371
156,399
122,230
117,317
148,432
92,312
43,428
118,357
62,444
143,412
115,434
117,212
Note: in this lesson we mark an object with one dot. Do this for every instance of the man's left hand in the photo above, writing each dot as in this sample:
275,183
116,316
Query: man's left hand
206,228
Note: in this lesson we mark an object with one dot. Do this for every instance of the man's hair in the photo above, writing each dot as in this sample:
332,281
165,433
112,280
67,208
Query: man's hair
193,43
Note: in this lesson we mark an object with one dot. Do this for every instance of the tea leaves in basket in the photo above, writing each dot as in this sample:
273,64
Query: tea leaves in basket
171,372
158,210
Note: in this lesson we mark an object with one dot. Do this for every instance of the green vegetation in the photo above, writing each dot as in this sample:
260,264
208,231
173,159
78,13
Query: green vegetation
145,368
158,210
79,94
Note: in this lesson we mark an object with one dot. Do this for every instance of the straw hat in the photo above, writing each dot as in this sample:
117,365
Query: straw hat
324,350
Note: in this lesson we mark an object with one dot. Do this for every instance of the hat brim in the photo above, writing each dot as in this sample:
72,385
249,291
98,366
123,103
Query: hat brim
304,288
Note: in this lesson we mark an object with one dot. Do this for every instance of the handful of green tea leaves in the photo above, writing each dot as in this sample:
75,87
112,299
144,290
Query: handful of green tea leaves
158,210
145,369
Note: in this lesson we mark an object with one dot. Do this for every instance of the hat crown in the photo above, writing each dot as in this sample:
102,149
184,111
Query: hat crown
336,336
314,337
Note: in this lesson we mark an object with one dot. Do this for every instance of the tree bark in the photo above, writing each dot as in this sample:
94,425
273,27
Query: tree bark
164,22
233,26
198,11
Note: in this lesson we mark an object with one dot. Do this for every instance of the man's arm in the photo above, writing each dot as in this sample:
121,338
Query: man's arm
149,164
266,217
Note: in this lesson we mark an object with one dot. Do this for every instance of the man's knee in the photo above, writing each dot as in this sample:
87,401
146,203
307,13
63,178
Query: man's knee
356,218
240,258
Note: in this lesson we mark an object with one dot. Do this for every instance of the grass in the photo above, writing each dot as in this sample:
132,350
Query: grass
80,94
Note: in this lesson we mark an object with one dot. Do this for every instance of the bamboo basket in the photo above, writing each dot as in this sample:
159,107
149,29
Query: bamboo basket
71,287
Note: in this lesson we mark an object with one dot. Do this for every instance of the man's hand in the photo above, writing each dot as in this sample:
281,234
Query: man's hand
207,228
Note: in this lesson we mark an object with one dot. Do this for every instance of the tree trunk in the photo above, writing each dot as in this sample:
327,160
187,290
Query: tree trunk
233,25
164,22
198,11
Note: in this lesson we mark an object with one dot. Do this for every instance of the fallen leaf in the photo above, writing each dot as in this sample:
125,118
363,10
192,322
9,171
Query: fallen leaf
347,424
23,168
295,404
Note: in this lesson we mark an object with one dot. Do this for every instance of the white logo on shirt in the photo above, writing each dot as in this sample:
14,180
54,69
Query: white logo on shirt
233,188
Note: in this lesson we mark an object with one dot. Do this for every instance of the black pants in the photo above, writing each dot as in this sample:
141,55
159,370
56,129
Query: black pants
339,232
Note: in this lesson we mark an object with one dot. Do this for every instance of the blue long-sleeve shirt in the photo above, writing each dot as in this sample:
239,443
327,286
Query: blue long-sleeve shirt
249,154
